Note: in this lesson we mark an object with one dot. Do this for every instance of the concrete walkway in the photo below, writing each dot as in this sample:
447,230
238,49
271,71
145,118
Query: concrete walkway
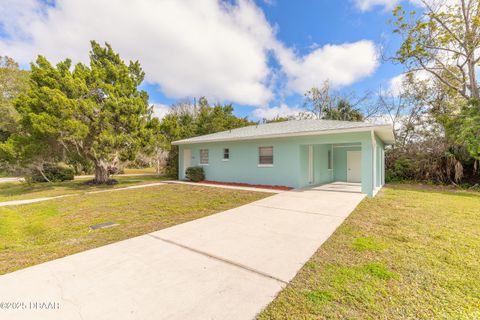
225,266
11,179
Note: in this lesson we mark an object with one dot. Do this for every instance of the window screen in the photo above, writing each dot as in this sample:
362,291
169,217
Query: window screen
226,154
203,156
265,155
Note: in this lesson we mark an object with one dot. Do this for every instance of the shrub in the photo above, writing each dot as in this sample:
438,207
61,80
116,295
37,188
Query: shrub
195,174
400,170
53,172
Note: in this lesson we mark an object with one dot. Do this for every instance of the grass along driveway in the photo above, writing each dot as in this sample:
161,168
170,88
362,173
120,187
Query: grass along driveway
36,233
21,190
406,254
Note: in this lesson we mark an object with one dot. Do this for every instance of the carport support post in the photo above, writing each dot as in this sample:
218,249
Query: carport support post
367,174
374,161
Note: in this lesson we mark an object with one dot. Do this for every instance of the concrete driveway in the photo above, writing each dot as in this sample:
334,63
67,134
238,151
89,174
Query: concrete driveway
226,266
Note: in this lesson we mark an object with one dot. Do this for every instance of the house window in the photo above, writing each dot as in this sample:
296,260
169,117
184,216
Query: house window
330,160
265,156
226,154
203,156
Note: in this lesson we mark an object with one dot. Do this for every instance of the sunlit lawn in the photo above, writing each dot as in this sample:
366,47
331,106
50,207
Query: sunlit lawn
406,254
139,171
35,233
23,190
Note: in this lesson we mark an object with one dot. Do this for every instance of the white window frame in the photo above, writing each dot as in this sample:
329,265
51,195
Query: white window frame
224,153
265,165
200,157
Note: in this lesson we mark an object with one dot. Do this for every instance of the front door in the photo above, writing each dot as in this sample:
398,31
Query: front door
187,160
354,166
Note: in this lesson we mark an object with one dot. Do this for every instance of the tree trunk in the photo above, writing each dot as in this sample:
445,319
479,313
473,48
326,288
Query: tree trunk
101,172
473,81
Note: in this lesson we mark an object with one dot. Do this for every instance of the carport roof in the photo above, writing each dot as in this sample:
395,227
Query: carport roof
293,128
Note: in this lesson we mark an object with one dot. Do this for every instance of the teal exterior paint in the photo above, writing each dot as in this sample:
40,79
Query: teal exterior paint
290,160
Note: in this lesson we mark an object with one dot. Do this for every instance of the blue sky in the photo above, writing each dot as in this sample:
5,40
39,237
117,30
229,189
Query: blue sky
261,56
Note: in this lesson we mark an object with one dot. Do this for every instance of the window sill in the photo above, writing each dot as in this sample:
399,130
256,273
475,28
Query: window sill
203,164
265,165
225,159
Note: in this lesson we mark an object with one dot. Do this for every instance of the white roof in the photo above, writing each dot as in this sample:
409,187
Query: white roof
293,128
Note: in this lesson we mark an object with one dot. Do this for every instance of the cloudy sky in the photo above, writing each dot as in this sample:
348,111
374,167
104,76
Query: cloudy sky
259,55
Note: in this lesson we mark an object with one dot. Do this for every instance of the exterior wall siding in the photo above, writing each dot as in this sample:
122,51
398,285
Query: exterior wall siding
290,167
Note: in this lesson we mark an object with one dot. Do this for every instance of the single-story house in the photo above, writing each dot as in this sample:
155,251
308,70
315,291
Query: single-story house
296,153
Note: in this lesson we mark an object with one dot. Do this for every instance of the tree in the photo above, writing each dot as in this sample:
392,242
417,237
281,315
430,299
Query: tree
466,128
343,111
319,100
92,113
13,81
278,118
328,105
444,41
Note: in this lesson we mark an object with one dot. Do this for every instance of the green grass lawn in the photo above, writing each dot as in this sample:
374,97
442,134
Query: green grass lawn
406,254
22,190
35,233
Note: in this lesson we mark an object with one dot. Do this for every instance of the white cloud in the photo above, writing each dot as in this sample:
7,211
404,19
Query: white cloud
395,85
365,5
160,110
281,111
188,48
341,65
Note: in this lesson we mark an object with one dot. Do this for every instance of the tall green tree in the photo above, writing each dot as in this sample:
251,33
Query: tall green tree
93,113
13,82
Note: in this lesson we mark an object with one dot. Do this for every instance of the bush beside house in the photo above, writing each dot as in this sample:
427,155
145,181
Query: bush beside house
195,174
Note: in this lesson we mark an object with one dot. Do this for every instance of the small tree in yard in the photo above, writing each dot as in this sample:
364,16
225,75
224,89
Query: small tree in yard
95,113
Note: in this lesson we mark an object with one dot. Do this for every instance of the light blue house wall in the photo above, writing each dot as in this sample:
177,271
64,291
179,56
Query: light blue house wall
290,155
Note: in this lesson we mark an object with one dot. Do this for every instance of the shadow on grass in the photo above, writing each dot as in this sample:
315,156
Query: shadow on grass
12,189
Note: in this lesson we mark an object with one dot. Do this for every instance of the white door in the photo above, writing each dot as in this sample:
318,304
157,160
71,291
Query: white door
187,159
354,166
